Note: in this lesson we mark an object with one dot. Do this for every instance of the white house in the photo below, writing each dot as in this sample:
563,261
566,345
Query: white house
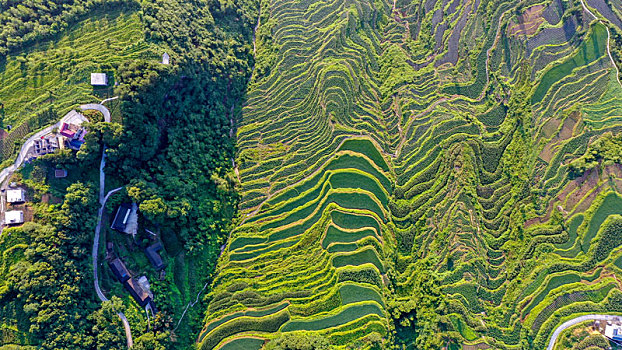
14,217
614,332
99,79
15,196
166,59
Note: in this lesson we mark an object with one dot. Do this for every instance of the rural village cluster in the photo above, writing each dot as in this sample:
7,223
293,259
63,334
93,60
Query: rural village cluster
69,133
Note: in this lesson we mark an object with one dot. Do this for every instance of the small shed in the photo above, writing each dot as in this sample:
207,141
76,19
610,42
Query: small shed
15,196
166,59
99,79
14,217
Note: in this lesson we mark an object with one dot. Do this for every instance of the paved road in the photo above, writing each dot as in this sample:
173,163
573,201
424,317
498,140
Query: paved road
108,99
576,321
102,201
94,255
78,118
98,107
95,251
8,171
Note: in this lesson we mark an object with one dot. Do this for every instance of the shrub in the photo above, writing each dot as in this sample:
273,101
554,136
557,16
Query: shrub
298,341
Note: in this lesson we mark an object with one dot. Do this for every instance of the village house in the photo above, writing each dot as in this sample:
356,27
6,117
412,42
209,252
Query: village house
138,289
48,144
613,331
154,257
74,135
119,270
15,196
14,217
126,219
120,219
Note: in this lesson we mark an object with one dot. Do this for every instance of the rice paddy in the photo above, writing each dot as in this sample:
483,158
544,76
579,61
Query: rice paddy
383,134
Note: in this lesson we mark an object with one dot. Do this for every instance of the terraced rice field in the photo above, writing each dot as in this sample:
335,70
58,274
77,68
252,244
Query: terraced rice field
387,133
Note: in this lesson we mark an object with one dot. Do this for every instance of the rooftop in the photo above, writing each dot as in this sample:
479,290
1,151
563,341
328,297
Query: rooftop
60,173
119,270
138,293
15,196
69,130
99,79
153,255
120,219
14,217
614,332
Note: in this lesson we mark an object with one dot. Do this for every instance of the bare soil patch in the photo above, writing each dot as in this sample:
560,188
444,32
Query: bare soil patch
528,22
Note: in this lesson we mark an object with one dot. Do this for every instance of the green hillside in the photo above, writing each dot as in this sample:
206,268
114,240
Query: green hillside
167,148
57,73
428,174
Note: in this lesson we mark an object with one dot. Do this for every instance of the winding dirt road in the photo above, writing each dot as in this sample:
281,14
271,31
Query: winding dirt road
586,9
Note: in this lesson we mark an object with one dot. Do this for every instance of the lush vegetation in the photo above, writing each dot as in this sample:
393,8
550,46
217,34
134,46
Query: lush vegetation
350,174
26,23
56,74
170,145
606,150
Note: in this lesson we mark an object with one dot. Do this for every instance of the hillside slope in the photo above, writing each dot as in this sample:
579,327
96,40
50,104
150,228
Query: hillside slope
408,175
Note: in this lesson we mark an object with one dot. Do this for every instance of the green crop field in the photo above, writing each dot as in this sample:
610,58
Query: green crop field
396,150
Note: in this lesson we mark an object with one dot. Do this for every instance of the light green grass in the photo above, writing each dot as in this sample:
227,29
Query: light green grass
348,314
589,51
612,204
365,255
353,293
334,235
243,344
